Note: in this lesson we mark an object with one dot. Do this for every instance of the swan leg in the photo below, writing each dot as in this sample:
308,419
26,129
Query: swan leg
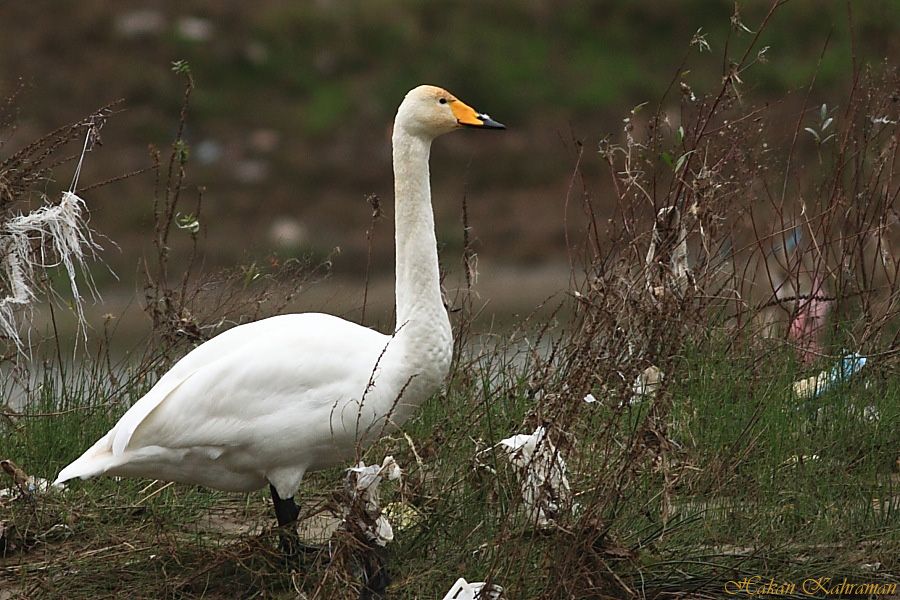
287,512
375,573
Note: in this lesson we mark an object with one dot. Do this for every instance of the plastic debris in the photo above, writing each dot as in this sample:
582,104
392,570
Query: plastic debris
871,413
64,238
808,324
24,484
801,286
798,459
647,384
542,474
590,399
362,483
57,532
401,515
667,257
52,235
463,590
813,387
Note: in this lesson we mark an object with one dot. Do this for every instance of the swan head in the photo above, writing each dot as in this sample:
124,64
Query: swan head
430,111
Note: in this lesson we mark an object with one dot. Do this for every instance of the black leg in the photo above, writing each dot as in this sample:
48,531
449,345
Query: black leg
375,573
287,512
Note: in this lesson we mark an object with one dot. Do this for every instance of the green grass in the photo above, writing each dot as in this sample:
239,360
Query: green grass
737,493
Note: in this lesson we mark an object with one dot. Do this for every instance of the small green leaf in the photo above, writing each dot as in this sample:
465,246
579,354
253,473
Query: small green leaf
182,151
667,158
679,134
682,159
181,67
251,273
188,222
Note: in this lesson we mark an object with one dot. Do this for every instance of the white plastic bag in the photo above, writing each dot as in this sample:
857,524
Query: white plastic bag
463,590
363,482
542,474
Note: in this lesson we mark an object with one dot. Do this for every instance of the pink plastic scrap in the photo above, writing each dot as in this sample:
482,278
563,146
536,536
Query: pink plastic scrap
808,324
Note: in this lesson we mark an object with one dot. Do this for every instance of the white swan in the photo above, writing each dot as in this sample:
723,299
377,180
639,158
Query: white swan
268,401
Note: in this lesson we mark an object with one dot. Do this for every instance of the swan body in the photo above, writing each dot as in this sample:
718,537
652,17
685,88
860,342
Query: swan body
267,401
263,402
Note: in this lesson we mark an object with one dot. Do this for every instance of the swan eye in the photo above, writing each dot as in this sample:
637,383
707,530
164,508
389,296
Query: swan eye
443,101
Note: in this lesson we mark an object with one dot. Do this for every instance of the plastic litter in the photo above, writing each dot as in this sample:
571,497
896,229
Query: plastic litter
542,475
24,483
401,515
646,384
463,590
363,483
63,239
667,257
844,369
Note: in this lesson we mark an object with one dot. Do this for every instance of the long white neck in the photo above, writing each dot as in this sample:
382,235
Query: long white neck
422,322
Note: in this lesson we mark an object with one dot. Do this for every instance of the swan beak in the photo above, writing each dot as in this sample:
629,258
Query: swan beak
466,115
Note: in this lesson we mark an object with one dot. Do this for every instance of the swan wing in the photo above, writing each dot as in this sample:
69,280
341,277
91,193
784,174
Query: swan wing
292,363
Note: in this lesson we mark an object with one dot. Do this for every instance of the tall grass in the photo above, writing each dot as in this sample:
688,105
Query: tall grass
750,482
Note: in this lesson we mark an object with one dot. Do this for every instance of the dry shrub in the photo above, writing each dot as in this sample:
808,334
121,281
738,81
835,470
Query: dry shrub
192,306
734,232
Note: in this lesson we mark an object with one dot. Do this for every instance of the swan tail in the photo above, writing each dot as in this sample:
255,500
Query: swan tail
95,461
109,451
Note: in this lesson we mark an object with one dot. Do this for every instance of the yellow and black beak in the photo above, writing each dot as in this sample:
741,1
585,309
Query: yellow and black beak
466,115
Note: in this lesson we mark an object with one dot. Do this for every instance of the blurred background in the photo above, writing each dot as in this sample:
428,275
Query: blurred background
289,124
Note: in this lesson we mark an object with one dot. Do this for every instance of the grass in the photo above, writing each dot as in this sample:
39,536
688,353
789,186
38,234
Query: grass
753,483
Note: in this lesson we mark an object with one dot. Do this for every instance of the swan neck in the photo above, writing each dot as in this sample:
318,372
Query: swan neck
418,277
